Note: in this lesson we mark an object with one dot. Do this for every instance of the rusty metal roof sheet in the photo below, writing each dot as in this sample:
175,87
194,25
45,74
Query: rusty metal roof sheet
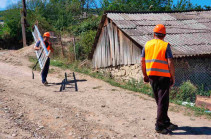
189,33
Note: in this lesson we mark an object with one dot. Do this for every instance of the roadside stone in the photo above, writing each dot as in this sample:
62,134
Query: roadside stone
40,127
20,115
14,135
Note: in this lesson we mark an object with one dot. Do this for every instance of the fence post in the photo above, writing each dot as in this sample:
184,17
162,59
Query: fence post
74,48
60,37
23,23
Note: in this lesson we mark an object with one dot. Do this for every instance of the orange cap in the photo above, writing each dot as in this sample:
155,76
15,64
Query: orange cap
160,28
46,34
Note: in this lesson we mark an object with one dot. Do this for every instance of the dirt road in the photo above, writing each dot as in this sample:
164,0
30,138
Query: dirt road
98,110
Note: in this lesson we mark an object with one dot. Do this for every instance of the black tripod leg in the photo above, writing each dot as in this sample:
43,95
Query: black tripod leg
76,86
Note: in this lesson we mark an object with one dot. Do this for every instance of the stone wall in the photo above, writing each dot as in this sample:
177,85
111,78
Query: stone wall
124,73
197,70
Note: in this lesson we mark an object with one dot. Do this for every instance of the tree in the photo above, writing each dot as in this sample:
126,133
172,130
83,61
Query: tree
136,5
183,5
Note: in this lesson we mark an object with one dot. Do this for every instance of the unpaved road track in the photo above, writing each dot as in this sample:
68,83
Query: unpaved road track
98,110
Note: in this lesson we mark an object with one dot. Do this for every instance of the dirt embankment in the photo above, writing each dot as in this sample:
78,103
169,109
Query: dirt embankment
98,110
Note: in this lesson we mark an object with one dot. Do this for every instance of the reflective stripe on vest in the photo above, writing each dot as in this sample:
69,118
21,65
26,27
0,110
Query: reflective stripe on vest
160,70
156,62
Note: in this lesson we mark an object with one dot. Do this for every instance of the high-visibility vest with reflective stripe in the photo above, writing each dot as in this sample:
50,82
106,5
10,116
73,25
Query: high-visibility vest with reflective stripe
49,47
155,58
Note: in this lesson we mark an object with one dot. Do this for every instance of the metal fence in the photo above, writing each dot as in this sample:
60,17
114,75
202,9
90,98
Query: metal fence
196,70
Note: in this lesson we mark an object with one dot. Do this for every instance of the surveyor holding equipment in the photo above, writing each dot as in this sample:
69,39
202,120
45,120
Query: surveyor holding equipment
158,69
49,47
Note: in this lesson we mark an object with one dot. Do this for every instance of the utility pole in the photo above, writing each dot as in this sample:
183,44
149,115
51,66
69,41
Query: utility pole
23,22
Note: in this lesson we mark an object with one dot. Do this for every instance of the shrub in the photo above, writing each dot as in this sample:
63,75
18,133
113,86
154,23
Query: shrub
201,91
84,45
187,92
86,25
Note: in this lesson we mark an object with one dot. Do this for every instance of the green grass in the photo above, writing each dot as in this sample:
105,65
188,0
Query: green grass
197,111
58,63
33,60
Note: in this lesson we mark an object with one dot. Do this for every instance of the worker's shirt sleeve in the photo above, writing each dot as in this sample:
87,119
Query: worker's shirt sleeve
168,52
37,44
143,53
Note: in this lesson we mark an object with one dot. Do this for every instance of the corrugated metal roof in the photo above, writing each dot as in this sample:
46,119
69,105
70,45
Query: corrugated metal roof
125,24
189,33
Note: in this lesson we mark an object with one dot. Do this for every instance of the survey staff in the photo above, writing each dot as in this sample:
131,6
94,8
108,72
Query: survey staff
158,69
49,47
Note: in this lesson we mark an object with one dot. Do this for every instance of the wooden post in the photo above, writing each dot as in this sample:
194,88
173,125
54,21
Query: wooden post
61,45
23,22
74,48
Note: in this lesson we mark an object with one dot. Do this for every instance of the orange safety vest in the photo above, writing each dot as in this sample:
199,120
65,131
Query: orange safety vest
155,58
49,47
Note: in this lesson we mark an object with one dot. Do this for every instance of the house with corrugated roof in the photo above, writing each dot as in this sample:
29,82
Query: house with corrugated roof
122,36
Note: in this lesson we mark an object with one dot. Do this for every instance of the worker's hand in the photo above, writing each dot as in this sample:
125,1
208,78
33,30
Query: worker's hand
172,81
37,48
146,79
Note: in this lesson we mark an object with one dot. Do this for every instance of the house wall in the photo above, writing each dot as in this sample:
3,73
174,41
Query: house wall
117,55
124,73
114,48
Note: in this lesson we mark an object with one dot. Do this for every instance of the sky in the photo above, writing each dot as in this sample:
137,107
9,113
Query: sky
5,3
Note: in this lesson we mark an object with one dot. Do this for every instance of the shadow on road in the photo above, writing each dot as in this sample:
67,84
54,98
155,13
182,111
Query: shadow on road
68,82
187,130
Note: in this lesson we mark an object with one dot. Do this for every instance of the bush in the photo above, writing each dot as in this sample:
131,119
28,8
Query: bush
187,92
201,91
86,42
85,26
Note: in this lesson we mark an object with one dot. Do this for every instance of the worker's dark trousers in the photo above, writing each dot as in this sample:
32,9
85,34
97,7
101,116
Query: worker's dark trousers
45,71
160,86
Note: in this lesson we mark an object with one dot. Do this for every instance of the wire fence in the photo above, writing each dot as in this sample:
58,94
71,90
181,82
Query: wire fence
196,70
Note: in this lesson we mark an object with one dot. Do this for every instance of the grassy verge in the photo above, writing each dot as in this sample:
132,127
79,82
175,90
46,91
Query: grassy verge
132,85
33,60
197,110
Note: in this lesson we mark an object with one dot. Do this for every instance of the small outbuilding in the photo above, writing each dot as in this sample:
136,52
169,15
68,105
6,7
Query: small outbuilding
121,37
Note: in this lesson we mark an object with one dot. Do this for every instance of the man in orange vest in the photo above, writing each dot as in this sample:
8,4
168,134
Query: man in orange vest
48,45
158,69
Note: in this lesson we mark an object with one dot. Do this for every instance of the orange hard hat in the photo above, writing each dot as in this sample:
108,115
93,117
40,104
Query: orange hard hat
160,28
46,34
